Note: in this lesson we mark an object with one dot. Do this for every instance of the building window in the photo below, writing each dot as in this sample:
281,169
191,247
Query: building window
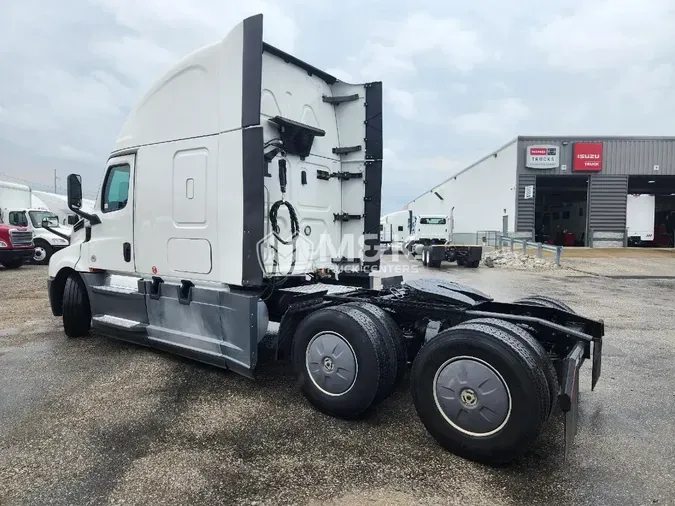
400,228
566,215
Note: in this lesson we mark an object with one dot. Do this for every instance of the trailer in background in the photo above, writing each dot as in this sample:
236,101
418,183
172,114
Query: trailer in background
640,214
395,228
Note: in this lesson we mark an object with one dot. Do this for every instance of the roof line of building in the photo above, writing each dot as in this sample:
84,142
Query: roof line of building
492,153
594,138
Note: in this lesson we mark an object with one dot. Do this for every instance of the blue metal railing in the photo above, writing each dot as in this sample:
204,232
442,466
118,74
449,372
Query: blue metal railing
529,244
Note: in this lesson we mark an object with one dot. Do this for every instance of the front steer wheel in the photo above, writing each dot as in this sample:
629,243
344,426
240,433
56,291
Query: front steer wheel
76,308
342,361
43,252
480,392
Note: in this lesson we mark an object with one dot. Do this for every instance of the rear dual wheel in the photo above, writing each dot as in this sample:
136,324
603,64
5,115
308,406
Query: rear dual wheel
545,301
348,358
481,390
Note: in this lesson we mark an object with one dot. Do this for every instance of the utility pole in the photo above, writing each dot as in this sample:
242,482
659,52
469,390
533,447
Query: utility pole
55,178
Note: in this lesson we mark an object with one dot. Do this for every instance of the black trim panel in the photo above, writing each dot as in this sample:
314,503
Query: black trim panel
373,183
251,85
311,70
253,167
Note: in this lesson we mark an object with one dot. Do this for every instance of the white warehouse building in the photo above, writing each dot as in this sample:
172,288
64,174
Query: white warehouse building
479,198
571,190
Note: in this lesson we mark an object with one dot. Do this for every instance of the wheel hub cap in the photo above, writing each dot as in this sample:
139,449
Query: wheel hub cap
39,253
331,363
472,396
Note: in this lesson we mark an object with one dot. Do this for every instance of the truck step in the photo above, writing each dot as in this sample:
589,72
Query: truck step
319,287
119,323
122,290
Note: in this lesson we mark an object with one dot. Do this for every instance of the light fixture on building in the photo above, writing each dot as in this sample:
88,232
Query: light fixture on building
651,182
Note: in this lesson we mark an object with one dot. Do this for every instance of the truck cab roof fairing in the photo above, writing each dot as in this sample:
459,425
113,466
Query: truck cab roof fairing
227,73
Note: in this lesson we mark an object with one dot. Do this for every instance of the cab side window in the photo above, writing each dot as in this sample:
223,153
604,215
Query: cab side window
17,218
116,188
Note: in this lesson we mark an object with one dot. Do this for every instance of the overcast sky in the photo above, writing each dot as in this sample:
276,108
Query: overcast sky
460,78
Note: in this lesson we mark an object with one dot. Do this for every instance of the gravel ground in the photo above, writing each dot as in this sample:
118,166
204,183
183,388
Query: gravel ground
97,421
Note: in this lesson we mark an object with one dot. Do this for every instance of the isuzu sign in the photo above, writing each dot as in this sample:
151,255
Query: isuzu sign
587,156
542,157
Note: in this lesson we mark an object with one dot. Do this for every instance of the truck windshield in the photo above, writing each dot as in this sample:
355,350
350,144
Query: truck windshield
37,216
432,221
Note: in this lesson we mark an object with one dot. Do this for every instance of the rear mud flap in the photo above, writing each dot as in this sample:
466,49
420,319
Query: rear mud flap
569,393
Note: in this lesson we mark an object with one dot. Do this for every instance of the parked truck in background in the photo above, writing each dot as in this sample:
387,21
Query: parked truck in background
17,207
58,204
640,216
16,246
432,240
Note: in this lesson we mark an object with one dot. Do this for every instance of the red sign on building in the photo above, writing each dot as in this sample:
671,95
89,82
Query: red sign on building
587,157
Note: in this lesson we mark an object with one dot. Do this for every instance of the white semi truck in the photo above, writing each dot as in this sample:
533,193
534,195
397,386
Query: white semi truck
229,183
18,207
58,204
432,241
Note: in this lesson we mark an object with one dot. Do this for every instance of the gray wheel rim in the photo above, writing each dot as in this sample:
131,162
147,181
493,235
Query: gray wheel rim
40,254
472,396
331,363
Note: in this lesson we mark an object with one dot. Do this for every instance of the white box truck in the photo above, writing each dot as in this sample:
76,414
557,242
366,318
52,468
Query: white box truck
235,183
640,216
17,208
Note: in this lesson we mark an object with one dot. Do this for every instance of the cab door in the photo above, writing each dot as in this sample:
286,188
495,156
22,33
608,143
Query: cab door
111,244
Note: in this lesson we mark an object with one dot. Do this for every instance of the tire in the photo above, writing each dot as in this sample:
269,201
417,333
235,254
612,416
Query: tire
13,264
425,256
434,264
76,308
461,262
357,334
43,252
519,397
544,301
388,374
531,342
393,334
473,264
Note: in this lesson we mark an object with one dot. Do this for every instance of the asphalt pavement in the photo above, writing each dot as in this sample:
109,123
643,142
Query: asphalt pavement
98,421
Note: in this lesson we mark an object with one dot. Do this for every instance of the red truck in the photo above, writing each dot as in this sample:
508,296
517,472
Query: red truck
16,246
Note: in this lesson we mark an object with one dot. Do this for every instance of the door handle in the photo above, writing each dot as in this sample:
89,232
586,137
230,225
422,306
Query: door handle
126,250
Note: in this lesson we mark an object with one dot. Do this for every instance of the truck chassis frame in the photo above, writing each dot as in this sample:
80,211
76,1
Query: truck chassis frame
425,309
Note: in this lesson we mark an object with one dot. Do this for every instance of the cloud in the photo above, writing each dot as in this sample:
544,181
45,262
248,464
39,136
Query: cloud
72,153
439,42
607,34
496,118
459,79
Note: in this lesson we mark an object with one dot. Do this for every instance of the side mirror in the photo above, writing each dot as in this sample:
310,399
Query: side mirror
74,191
